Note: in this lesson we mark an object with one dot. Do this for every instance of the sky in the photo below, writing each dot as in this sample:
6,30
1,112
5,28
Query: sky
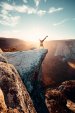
34,19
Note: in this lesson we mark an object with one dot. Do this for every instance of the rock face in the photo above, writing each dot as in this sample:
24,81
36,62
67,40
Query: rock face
28,64
63,50
56,102
58,69
16,99
61,98
3,107
68,89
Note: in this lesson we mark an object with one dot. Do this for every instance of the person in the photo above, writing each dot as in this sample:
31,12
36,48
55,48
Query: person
41,42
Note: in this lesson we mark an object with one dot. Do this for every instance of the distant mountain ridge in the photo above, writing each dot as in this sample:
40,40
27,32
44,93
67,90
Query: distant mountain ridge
17,44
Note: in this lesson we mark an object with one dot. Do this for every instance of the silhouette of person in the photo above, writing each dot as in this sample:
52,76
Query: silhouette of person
41,42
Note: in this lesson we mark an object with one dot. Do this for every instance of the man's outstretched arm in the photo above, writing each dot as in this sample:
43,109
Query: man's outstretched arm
44,38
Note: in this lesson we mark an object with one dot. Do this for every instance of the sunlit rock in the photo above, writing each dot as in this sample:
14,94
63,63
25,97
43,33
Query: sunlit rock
68,89
61,98
3,107
16,97
56,102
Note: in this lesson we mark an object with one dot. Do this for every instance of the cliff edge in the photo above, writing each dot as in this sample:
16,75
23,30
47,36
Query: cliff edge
28,64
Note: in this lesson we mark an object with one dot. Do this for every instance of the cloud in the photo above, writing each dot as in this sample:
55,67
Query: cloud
19,9
27,9
7,19
31,11
6,6
41,12
22,9
25,1
53,9
61,22
37,2
4,12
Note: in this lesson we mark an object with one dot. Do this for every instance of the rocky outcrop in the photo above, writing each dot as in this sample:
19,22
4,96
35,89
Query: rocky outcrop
61,98
56,102
14,97
28,64
3,107
68,89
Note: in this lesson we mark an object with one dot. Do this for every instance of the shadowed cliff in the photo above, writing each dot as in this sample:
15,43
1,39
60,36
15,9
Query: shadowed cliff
13,94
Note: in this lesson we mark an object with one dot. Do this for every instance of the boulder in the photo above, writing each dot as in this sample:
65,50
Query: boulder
3,107
61,98
68,89
15,98
56,101
28,64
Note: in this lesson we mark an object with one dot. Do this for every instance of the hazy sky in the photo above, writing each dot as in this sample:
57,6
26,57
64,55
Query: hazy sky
34,19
